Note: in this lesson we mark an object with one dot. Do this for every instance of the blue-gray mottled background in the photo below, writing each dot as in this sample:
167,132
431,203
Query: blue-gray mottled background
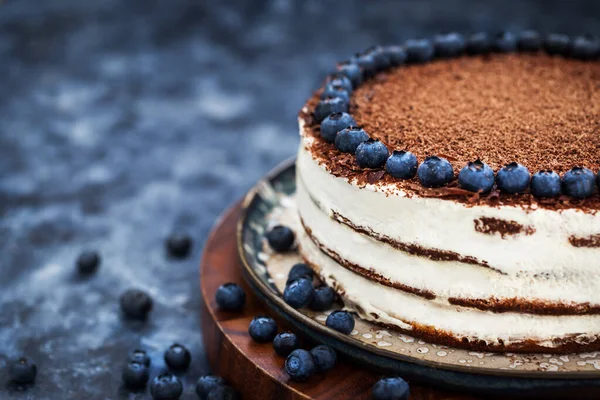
121,120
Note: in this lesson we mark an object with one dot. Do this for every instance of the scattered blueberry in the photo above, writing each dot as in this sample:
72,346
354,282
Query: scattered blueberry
348,139
135,375
352,71
166,387
223,392
418,50
529,41
341,321
585,47
371,154
334,123
402,164
435,172
556,43
284,343
331,90
340,81
206,383
298,271
324,357
545,184
477,176
505,42
230,297
139,356
177,357
280,238
300,365
478,43
449,45
22,370
396,55
262,329
513,178
391,389
328,106
323,299
366,62
380,58
299,293
579,183
136,304
87,262
179,244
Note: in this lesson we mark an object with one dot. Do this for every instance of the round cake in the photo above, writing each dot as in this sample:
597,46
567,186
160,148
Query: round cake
447,188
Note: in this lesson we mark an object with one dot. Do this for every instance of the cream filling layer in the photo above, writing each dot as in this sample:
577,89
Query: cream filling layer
402,310
449,225
445,279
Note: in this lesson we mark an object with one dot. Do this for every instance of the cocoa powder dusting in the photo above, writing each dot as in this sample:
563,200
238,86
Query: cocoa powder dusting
535,109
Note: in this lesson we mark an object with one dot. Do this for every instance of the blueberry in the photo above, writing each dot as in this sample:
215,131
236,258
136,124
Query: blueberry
371,154
505,42
402,164
341,321
340,81
449,45
262,329
299,293
179,244
545,184
136,304
22,370
166,387
280,238
139,356
529,41
476,177
330,90
230,297
585,47
513,178
348,139
391,389
323,299
380,58
206,383
396,55
324,357
435,172
478,43
418,50
223,392
177,357
87,262
284,343
366,62
352,71
300,365
135,375
578,183
329,106
334,123
298,271
556,43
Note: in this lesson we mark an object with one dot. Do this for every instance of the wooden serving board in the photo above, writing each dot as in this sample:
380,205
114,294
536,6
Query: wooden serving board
252,368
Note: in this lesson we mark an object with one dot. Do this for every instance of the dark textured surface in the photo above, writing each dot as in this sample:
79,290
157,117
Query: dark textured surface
123,120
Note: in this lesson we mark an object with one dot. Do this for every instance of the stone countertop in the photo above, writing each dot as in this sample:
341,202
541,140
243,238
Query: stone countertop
121,121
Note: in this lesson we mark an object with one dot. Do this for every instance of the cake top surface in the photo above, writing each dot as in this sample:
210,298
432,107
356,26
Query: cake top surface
538,110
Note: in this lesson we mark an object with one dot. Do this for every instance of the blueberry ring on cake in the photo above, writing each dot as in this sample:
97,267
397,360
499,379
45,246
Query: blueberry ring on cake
448,188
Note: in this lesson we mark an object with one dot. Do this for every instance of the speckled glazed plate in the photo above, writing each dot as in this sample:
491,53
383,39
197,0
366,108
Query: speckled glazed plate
271,202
